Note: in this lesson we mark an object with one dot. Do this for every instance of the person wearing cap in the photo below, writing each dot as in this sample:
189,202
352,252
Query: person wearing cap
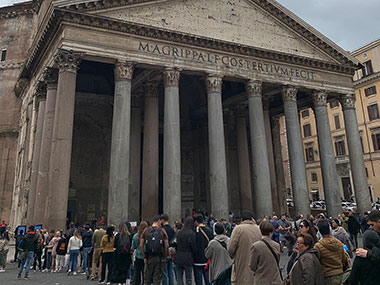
28,247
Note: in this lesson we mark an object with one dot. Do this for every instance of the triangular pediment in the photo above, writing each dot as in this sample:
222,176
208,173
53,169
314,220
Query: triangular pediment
238,21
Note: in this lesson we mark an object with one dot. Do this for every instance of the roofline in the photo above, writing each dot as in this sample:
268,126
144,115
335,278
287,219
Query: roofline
366,47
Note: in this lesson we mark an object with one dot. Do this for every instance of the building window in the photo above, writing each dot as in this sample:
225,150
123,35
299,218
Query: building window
307,130
370,91
367,68
305,114
314,177
337,121
3,54
340,147
309,151
375,133
334,104
373,112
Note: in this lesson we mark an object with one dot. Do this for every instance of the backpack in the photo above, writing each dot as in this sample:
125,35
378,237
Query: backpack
154,243
124,245
61,247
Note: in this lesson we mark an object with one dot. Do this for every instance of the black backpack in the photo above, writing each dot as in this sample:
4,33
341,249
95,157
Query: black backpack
124,245
153,242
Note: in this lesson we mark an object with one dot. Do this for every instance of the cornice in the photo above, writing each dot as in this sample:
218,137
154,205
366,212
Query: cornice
367,80
64,15
20,9
273,8
11,65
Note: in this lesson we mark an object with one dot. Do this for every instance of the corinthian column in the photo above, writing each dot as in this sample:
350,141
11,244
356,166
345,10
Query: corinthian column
41,97
60,159
217,150
261,175
149,186
118,195
172,146
295,147
326,154
359,176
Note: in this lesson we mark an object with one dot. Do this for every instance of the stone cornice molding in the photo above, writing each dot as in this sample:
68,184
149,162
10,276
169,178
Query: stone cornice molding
50,75
11,65
20,9
254,88
20,86
370,79
347,101
41,88
273,8
171,77
68,60
319,98
151,89
124,70
214,83
289,93
64,15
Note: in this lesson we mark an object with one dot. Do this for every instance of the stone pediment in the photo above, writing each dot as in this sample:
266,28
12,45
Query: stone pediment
238,21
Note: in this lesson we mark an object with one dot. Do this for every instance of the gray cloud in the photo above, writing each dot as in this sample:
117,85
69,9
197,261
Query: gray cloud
349,23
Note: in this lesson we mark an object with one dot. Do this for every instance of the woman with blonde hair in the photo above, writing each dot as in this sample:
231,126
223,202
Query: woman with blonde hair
56,239
139,260
75,243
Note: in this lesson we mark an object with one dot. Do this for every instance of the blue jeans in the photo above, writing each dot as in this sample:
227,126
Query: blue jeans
86,251
73,260
48,260
26,262
168,272
200,271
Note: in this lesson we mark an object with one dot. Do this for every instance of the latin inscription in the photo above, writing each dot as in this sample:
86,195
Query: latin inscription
225,60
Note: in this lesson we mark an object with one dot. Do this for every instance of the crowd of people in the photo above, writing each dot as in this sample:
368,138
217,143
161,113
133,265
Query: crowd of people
207,251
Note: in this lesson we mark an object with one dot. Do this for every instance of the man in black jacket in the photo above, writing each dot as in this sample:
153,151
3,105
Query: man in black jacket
374,253
203,235
28,247
353,229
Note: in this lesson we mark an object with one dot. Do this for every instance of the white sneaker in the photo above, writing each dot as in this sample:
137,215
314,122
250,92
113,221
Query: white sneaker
2,270
74,273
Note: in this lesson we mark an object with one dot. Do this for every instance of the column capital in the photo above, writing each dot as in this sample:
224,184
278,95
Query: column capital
319,98
348,101
50,76
41,91
253,88
240,110
289,93
214,83
123,70
151,89
68,61
171,77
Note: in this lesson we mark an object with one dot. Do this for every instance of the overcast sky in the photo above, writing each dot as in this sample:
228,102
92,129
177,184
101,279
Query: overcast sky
349,23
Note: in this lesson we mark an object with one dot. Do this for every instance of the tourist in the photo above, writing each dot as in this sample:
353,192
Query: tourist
298,222
339,233
122,256
48,248
28,247
306,269
285,227
242,238
307,227
343,221
139,258
168,273
155,251
75,243
276,227
332,254
220,266
185,250
374,223
265,257
87,246
38,252
3,227
291,241
55,240
97,253
61,252
4,248
108,253
19,236
353,228
364,222
203,235
365,270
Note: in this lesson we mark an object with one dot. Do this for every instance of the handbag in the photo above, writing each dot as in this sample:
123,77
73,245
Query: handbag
275,257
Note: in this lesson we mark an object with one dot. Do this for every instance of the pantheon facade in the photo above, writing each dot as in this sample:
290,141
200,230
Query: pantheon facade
130,108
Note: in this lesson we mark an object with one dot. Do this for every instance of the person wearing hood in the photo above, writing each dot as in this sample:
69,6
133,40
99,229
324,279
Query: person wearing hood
341,234
332,255
220,261
365,270
306,269
28,247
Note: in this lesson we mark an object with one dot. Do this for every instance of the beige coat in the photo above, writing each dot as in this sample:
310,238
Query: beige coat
242,238
263,263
